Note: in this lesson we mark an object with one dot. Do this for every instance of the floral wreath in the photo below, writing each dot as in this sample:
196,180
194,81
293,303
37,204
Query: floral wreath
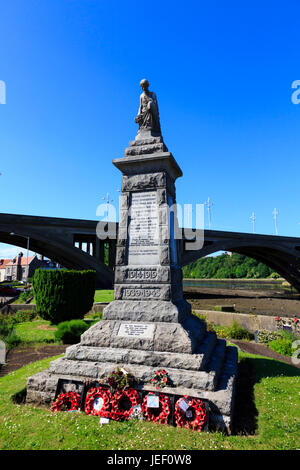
164,408
197,424
117,412
94,393
119,379
159,378
70,399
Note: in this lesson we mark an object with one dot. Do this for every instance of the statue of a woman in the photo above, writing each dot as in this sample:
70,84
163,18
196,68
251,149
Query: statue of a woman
148,115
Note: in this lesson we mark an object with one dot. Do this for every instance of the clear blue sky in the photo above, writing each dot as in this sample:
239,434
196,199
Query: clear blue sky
222,72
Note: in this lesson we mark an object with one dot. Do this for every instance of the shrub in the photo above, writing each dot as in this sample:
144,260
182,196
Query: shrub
5,328
221,331
95,316
63,295
22,316
201,316
237,331
7,333
282,346
69,332
291,335
25,295
12,340
265,336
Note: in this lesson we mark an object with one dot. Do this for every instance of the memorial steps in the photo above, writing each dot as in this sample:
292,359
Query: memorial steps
209,373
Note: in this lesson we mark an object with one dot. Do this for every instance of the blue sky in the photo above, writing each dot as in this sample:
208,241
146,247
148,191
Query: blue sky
222,72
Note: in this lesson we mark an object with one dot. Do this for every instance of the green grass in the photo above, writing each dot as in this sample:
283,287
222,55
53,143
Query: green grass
101,295
39,331
104,295
275,398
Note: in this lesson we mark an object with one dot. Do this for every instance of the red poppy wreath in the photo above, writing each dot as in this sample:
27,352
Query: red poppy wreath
161,415
118,411
198,418
69,401
97,402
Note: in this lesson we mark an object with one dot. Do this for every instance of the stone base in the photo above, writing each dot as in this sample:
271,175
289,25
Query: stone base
147,311
198,363
41,387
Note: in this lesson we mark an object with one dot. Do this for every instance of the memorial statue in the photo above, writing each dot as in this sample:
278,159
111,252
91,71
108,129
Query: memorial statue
148,115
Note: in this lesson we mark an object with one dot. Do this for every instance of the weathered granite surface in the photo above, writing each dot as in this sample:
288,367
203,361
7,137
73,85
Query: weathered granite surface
147,310
168,337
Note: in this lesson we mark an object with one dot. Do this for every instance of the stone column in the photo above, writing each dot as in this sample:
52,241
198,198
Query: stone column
148,279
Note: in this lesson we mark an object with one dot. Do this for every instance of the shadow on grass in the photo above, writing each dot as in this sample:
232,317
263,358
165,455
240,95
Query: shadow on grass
250,372
245,412
265,367
20,397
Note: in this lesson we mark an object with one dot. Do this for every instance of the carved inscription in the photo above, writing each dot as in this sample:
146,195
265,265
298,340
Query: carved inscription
141,274
141,293
143,229
140,330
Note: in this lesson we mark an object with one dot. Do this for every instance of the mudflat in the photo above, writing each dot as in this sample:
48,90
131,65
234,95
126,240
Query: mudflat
260,302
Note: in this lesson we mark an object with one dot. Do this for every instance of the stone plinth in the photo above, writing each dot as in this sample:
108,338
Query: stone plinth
149,325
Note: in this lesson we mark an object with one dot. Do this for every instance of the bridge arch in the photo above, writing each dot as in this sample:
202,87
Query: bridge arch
55,238
283,259
57,248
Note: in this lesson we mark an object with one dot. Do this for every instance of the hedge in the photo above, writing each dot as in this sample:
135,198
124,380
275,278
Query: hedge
62,295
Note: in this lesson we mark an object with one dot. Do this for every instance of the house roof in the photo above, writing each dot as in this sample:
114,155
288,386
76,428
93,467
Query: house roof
4,262
14,261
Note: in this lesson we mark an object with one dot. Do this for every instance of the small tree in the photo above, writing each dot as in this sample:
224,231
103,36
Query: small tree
62,295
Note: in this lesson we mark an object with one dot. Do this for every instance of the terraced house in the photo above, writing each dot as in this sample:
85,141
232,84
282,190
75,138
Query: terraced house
3,263
17,268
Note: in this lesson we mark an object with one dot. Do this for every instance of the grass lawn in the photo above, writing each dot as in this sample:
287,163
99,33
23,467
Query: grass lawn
275,398
39,331
101,295
104,295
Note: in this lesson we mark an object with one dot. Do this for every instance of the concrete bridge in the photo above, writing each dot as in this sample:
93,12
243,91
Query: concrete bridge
73,243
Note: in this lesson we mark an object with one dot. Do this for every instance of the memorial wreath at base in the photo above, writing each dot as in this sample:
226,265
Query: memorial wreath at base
160,379
69,401
158,414
118,401
98,401
190,413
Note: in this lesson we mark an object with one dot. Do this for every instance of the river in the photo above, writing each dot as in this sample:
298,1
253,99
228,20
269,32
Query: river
244,284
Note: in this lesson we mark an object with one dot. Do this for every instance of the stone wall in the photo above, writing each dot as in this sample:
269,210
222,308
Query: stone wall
250,321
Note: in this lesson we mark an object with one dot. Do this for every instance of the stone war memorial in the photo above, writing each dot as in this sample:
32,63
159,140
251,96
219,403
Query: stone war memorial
149,325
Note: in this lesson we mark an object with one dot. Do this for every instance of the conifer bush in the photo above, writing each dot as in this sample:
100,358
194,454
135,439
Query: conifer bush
63,295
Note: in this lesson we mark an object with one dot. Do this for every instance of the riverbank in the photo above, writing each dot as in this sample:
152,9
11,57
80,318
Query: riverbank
260,302
279,280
